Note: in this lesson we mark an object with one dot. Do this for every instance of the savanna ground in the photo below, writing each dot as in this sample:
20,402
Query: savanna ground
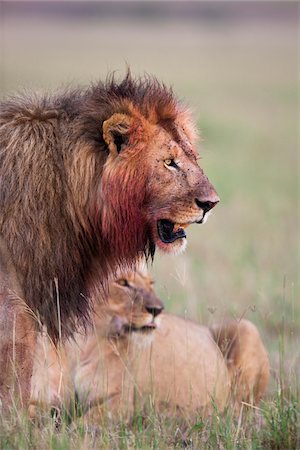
241,80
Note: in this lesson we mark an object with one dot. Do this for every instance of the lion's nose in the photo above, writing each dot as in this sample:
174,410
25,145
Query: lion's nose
154,310
207,205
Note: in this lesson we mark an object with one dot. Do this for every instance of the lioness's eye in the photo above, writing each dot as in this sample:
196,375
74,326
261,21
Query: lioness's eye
123,282
170,163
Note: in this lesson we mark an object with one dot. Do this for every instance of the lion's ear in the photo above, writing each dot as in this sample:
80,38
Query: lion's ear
116,131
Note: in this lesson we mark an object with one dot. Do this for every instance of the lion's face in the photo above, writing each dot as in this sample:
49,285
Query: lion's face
133,304
153,178
180,194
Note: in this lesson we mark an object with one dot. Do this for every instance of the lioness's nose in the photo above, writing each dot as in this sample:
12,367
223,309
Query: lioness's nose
207,205
154,310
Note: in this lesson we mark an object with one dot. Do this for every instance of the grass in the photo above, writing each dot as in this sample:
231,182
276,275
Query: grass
274,425
241,80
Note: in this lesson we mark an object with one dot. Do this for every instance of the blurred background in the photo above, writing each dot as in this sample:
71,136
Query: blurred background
236,65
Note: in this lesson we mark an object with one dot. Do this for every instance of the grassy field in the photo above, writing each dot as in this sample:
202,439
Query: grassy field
241,81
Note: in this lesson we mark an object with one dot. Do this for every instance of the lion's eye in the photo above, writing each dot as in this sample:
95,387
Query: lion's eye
170,164
123,282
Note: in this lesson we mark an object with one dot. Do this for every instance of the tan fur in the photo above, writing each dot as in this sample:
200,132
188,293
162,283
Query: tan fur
177,367
246,359
91,365
182,371
178,370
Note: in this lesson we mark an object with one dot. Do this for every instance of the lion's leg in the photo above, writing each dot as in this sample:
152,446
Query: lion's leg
17,335
246,359
52,386
253,363
17,342
112,407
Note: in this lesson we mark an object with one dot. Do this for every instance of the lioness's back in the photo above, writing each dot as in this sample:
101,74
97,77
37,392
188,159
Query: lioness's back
183,368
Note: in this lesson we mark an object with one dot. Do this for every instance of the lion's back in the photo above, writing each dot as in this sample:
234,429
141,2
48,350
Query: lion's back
184,367
29,128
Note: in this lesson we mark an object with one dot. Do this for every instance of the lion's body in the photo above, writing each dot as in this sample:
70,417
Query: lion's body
94,365
182,371
85,189
178,365
39,217
185,370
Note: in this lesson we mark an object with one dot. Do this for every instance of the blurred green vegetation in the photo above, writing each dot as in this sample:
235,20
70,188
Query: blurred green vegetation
241,82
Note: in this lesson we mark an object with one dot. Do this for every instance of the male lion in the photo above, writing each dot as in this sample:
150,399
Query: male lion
90,180
181,369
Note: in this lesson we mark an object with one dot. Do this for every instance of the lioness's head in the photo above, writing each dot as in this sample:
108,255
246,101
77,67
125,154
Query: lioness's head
132,304
152,187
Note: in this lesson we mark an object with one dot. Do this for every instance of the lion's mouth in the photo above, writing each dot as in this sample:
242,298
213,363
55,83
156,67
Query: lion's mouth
148,328
169,232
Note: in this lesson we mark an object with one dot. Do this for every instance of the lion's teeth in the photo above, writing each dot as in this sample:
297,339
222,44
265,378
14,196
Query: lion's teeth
180,225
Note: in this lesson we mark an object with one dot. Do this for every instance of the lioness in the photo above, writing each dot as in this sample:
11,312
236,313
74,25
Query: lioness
181,369
93,366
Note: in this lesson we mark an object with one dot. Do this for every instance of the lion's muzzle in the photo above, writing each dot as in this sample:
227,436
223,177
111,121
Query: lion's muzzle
206,205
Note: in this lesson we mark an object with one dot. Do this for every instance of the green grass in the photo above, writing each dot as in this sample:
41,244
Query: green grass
241,81
274,425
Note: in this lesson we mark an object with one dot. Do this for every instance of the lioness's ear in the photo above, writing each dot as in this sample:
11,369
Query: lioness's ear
116,131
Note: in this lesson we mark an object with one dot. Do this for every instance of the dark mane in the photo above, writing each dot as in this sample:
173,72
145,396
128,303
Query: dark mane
52,155
154,100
